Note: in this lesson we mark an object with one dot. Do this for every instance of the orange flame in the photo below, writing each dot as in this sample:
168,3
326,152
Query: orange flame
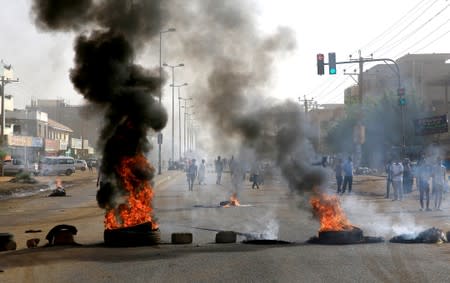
58,182
330,213
138,206
233,201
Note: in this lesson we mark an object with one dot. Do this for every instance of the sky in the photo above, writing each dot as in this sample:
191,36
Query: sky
388,29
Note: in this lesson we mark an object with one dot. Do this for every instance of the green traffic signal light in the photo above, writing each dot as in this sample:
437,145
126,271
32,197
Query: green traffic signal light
332,63
402,101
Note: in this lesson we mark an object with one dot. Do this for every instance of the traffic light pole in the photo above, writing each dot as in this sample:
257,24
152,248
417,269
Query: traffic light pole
361,62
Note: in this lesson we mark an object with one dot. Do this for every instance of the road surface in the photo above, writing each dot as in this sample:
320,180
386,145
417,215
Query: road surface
271,211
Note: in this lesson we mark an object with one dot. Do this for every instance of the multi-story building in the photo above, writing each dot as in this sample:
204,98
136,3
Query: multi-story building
85,130
31,135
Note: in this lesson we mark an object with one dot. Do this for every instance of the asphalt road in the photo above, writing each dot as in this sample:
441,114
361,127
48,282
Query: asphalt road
271,211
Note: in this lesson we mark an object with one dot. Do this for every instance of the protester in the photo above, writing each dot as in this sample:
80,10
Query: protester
219,169
408,178
338,171
89,165
191,174
254,175
397,180
388,177
202,173
348,175
423,176
439,181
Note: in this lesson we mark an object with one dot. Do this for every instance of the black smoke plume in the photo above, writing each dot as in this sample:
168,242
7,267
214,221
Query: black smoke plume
230,61
110,32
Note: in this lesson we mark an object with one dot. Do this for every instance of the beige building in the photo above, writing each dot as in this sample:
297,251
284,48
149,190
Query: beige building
321,119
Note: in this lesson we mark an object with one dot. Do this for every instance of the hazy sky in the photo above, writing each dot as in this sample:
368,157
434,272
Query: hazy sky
385,28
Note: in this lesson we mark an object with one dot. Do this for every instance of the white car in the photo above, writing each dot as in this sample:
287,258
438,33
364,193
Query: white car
16,166
57,165
80,164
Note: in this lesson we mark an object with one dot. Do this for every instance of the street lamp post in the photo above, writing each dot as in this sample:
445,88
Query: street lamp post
179,115
160,92
173,105
190,134
185,109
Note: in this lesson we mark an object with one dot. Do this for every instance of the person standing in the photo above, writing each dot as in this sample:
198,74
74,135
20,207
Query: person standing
407,176
191,174
423,178
439,180
254,175
202,172
219,169
388,178
397,180
348,175
89,165
339,177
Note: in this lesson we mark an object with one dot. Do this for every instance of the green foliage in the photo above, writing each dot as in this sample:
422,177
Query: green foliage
2,154
24,177
382,118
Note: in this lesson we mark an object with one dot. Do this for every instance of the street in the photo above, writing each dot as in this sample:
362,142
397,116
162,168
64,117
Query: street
270,211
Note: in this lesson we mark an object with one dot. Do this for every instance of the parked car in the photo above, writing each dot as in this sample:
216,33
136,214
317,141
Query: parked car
16,166
57,165
80,164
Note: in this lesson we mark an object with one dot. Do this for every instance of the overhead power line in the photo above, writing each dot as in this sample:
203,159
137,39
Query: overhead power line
413,32
406,27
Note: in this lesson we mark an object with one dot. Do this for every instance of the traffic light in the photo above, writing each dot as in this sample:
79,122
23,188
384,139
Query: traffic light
401,97
332,63
320,64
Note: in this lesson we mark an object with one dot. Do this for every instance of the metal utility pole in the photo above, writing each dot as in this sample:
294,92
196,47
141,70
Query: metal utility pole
160,136
4,81
185,110
306,103
173,105
179,116
359,128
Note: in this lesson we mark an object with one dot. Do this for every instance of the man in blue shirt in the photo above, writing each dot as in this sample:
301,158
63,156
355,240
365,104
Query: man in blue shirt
348,175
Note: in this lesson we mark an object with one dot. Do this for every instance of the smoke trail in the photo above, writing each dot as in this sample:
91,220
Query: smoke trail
104,73
222,39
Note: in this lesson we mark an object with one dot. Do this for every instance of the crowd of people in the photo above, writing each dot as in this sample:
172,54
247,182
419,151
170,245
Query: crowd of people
238,172
430,176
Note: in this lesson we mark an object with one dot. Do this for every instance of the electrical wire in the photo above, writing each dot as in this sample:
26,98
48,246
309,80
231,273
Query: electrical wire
422,39
403,39
417,8
407,26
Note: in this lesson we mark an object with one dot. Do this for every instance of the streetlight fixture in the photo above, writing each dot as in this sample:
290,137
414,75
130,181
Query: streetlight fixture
173,105
179,114
160,92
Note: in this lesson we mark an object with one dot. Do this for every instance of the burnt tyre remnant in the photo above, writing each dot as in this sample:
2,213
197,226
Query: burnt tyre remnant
429,236
344,237
139,235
